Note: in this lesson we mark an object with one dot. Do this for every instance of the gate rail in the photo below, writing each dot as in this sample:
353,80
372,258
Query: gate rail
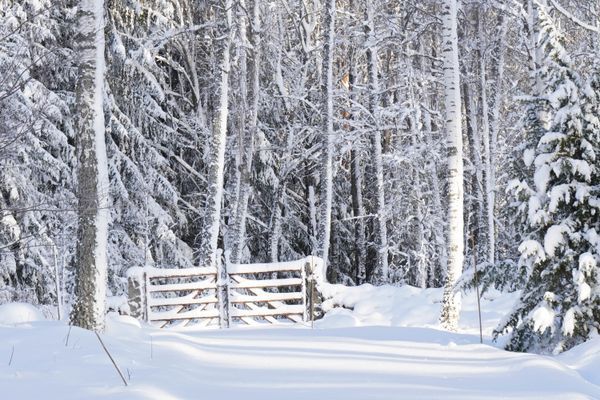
228,294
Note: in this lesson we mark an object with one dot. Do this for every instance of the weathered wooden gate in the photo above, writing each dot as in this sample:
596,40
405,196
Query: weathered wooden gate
234,294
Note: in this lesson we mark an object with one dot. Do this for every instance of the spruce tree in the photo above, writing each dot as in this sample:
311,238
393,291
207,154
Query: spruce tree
559,307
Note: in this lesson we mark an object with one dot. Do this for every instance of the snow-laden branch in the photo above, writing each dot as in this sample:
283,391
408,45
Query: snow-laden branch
574,19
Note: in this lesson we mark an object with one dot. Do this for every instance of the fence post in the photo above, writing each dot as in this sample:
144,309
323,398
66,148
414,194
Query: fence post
315,296
223,290
136,292
305,287
311,295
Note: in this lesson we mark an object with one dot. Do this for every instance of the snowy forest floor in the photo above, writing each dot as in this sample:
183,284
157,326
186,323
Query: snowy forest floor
345,356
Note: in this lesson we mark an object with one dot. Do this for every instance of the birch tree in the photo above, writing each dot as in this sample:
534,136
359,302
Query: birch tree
92,193
455,231
247,141
327,142
210,230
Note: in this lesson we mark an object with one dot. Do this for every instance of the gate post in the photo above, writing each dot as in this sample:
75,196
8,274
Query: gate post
305,285
223,290
310,294
136,292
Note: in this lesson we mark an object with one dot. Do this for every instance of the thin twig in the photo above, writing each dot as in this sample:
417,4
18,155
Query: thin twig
12,353
68,334
111,359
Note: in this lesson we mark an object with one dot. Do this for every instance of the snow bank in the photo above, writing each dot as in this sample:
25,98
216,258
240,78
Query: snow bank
336,361
407,306
18,313
294,363
122,325
585,359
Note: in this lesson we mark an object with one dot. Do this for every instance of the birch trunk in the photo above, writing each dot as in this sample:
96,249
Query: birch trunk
381,270
327,140
210,230
93,213
451,299
239,229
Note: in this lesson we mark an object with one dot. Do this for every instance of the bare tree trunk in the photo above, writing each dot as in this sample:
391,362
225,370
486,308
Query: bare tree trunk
93,213
278,202
475,201
381,271
488,182
327,142
210,230
239,230
275,225
420,262
356,185
451,301
440,239
359,213
497,104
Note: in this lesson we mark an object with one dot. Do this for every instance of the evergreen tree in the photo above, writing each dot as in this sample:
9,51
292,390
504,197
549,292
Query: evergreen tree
559,307
36,152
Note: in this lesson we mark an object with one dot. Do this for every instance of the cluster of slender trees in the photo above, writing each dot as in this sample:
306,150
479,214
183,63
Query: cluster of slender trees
400,141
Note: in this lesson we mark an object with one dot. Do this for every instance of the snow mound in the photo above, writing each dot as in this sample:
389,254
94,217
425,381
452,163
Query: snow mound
18,313
122,325
407,306
585,359
338,318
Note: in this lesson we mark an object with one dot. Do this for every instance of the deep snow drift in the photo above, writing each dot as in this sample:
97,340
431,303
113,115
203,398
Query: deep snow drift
409,358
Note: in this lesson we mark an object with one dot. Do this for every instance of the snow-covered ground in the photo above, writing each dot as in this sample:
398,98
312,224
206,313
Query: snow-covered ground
343,357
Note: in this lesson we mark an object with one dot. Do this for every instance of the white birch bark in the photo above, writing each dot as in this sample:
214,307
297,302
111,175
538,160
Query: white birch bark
381,270
93,210
451,299
239,230
327,143
210,230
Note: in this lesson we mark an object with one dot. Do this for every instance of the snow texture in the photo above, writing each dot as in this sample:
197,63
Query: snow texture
331,361
554,238
18,313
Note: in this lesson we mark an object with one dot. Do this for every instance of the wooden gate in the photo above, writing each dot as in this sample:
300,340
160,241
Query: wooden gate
245,294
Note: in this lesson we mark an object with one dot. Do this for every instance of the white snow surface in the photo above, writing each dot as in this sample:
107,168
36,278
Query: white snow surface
18,313
388,347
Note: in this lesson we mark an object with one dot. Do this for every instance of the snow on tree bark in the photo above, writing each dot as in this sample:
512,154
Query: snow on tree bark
451,300
560,305
93,191
381,241
327,139
489,184
245,170
210,230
